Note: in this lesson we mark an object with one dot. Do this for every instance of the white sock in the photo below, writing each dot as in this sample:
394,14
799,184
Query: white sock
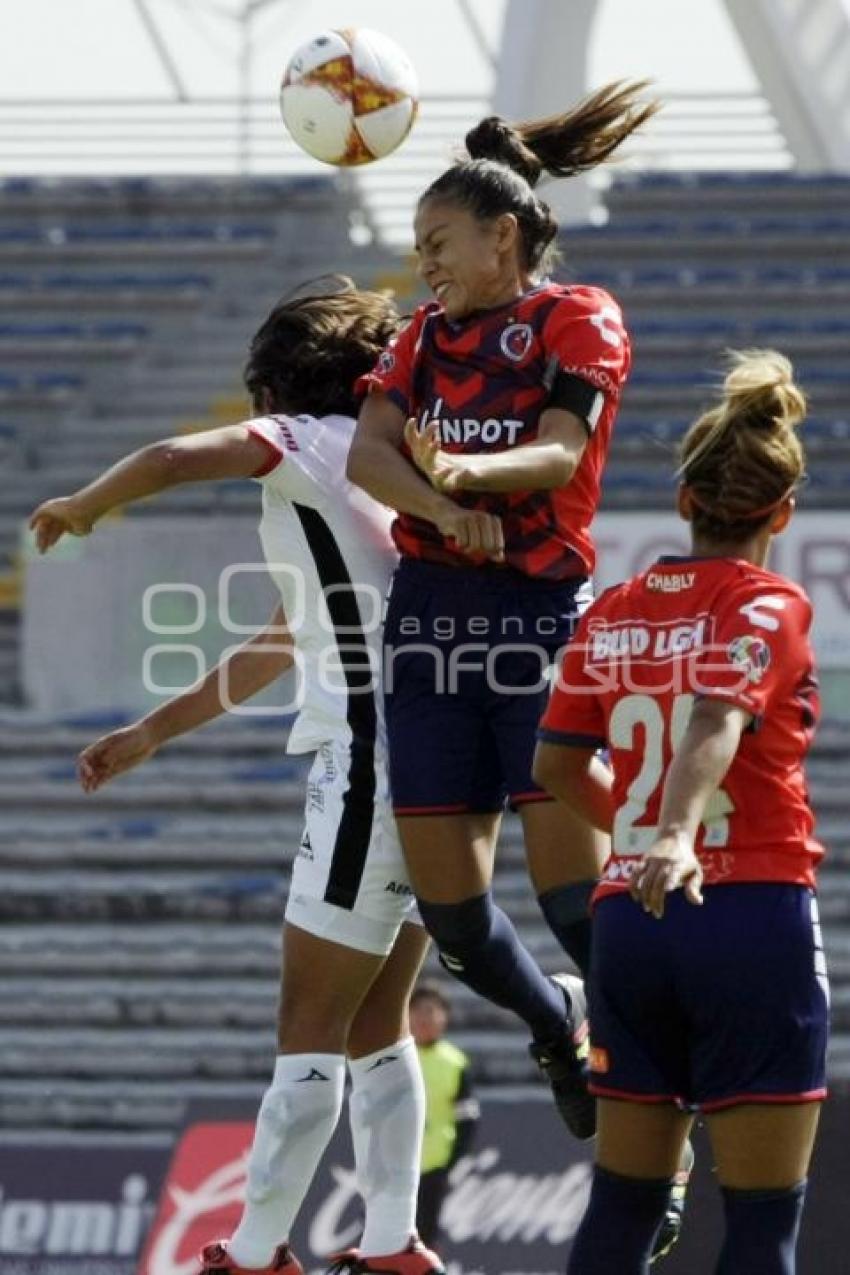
387,1112
296,1119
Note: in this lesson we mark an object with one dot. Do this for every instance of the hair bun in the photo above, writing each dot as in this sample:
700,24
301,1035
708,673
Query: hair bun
496,139
760,387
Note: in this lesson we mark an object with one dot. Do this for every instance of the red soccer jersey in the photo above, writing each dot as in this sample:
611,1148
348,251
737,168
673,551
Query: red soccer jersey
487,380
714,627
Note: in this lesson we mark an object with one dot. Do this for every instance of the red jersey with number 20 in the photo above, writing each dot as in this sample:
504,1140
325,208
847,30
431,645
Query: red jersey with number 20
711,627
487,380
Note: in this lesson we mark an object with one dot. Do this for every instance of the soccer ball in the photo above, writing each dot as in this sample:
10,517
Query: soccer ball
349,97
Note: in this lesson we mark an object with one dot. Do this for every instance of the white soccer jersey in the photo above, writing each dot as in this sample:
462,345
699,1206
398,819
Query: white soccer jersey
328,549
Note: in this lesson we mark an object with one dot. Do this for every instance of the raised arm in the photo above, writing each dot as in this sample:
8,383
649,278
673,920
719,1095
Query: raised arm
255,665
231,452
696,772
376,463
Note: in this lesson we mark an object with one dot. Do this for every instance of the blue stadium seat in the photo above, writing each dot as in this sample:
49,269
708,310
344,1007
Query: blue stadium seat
109,282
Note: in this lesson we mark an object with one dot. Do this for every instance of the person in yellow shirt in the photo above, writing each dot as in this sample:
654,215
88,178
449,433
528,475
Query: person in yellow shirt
451,1107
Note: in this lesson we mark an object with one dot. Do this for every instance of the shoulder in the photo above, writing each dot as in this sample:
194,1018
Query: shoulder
751,584
427,313
609,600
408,340
769,601
451,1055
575,298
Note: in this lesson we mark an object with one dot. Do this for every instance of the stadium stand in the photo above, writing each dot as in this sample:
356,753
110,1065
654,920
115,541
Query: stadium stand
141,925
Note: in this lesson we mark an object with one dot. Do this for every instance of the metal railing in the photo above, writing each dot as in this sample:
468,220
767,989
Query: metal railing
227,136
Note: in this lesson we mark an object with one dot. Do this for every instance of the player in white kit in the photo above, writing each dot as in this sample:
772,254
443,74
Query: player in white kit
351,948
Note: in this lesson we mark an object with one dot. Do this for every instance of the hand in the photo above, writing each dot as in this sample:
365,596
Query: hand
114,754
54,518
443,471
473,531
669,864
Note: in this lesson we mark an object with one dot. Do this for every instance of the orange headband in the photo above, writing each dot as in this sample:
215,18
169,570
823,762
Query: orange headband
748,517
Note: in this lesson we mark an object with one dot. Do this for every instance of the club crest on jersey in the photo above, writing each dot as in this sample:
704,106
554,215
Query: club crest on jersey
516,341
751,655
386,362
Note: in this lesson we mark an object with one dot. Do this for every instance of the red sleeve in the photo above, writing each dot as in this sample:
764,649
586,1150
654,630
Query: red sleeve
588,353
574,715
760,647
393,373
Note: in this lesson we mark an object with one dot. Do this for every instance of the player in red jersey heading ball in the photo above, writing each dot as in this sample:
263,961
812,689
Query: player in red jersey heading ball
697,675
503,393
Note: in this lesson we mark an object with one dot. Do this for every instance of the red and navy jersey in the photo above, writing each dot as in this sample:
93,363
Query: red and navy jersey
487,380
687,628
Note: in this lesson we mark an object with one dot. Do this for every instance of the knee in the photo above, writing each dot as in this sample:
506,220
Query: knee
458,927
309,1022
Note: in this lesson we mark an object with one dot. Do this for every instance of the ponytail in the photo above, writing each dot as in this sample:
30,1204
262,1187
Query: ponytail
506,161
742,458
563,145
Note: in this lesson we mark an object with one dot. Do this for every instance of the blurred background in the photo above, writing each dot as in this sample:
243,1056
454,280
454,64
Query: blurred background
152,209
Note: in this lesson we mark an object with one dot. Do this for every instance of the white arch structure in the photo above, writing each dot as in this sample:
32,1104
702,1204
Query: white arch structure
798,49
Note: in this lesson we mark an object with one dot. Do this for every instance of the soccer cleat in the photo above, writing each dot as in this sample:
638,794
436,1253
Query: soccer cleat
671,1227
215,1260
416,1259
563,1062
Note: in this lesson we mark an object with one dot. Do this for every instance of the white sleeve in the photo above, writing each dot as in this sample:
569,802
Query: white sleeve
286,474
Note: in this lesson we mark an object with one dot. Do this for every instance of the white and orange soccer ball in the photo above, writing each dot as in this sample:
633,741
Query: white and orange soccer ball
349,97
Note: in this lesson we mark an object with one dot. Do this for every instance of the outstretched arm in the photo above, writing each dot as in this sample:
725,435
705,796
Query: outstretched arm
231,452
255,665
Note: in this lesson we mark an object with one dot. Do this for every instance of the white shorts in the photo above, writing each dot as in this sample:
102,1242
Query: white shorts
349,883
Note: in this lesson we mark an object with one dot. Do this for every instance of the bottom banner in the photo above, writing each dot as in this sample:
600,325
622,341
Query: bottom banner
514,1203
77,1206
107,1206
513,1206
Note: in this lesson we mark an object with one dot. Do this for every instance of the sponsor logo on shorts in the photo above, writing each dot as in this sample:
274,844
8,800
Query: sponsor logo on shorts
305,849
599,1060
327,755
315,797
397,887
751,655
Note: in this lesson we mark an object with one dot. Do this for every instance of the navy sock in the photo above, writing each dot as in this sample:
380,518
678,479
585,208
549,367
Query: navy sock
619,1225
761,1231
480,947
567,912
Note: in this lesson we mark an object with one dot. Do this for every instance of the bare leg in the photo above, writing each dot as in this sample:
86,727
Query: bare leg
638,1150
761,1147
763,1153
565,858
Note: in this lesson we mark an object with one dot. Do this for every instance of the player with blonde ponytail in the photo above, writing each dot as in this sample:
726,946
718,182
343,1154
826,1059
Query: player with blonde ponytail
708,988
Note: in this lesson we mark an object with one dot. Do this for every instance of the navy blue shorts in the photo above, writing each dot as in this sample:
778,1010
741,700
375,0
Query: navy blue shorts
466,680
711,1006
